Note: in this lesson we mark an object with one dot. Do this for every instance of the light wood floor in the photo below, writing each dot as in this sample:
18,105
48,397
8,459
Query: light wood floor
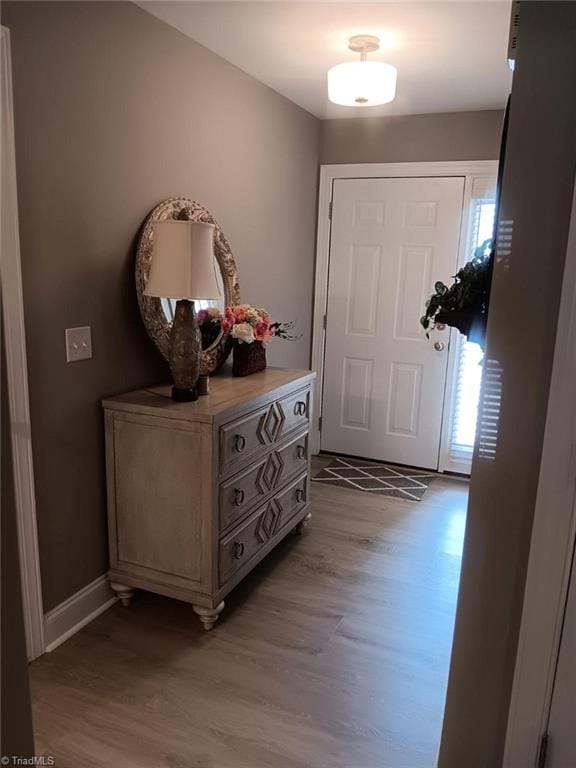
334,653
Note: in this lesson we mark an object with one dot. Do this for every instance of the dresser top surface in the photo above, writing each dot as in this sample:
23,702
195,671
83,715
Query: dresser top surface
226,393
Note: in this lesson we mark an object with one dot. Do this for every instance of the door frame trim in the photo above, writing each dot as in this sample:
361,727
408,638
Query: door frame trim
17,372
468,169
552,541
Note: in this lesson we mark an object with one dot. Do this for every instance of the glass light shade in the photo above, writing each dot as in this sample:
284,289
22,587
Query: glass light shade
362,83
183,264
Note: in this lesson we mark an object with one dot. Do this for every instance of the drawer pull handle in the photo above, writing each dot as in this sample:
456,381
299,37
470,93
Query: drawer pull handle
239,497
239,443
301,452
300,495
238,549
300,408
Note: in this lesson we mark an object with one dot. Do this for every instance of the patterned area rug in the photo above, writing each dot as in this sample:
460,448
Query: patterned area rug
376,478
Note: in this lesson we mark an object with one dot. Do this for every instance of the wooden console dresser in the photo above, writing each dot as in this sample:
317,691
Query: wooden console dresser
199,493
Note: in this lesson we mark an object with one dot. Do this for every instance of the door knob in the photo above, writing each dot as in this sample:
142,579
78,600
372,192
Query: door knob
439,346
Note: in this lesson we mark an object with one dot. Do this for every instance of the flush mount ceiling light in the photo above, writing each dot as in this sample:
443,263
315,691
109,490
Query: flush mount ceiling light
362,83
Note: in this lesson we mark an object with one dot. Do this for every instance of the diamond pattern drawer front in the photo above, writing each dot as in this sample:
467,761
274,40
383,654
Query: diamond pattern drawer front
241,492
240,546
294,496
293,457
244,438
295,411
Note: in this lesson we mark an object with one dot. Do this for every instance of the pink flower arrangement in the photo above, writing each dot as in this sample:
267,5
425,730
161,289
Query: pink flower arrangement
248,324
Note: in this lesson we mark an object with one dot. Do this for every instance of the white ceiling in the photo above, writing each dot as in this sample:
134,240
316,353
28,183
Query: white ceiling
451,56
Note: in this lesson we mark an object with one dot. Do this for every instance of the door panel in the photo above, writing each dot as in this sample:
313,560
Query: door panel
362,299
413,290
357,393
384,381
404,404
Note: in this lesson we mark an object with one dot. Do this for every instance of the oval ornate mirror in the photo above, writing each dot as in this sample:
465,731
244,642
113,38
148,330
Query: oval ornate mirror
158,313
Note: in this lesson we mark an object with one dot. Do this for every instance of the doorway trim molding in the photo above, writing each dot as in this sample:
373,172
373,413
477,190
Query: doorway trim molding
17,369
552,542
469,169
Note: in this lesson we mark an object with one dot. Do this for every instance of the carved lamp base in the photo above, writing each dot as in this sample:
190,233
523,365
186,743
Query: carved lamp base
185,351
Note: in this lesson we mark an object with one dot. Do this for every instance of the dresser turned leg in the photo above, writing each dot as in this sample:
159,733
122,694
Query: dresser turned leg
208,616
299,529
123,592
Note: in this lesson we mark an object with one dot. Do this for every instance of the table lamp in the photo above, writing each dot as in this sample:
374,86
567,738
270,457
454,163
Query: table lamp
183,268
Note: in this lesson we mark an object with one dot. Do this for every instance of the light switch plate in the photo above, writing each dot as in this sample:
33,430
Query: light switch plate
78,344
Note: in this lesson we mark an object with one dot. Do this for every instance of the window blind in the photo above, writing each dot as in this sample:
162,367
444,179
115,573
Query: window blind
469,356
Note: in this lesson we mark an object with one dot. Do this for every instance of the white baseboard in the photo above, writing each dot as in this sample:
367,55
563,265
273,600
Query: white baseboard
67,618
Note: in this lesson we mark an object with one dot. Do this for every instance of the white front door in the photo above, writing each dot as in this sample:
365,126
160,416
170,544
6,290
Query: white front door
391,240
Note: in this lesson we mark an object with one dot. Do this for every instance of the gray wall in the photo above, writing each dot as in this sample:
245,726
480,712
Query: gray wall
537,195
413,138
116,111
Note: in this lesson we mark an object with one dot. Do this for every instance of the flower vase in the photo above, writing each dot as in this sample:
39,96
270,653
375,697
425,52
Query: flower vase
248,358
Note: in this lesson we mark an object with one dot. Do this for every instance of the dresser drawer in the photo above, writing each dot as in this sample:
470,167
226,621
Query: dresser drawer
293,497
241,492
266,524
295,411
242,439
245,436
293,457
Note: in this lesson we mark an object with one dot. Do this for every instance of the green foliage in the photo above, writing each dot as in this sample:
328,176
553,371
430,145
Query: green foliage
468,294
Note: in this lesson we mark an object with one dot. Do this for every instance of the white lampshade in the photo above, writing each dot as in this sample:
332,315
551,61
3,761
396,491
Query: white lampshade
362,83
183,264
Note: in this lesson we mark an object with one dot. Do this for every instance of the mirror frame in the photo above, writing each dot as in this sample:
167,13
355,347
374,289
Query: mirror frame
156,322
